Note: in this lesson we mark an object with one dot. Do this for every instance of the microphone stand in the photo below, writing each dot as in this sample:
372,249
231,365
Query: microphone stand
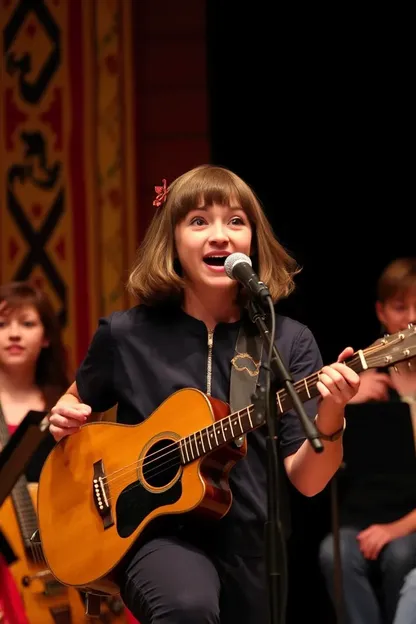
265,402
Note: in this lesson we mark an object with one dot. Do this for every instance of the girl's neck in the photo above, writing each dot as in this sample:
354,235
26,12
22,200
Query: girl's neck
19,394
212,306
18,382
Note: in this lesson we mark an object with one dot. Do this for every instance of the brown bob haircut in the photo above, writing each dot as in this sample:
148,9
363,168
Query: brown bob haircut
51,371
154,276
397,279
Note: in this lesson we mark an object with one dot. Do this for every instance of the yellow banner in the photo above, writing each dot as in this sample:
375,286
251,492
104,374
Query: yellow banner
36,224
67,154
115,151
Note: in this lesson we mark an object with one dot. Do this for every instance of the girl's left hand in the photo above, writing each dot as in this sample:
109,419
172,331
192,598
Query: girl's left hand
338,383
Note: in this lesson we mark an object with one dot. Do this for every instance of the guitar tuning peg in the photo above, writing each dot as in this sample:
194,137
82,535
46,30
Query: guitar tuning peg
409,365
396,370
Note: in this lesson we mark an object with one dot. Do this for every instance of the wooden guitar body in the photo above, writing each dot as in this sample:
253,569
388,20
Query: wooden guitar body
46,601
100,488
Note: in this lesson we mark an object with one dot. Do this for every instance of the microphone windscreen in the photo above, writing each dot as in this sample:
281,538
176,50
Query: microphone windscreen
232,260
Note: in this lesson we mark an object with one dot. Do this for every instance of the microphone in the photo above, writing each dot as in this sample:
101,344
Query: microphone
238,267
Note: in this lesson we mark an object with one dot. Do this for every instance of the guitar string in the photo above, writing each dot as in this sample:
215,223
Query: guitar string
174,448
167,465
24,506
158,455
159,470
34,549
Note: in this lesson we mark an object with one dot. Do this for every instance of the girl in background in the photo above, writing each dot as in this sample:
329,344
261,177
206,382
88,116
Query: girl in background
32,377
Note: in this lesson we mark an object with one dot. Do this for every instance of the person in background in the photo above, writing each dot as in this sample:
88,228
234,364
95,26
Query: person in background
406,608
184,333
380,540
33,374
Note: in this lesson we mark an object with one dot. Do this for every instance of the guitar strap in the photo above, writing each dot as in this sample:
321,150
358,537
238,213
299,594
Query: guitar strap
4,431
246,373
5,548
245,368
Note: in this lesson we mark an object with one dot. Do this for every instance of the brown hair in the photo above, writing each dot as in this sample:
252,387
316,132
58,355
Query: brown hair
397,278
51,371
154,276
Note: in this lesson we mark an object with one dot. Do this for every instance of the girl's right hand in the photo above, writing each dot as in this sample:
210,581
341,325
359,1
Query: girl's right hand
66,419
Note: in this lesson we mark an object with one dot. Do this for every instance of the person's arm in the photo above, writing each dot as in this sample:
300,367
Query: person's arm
308,470
92,391
372,539
406,525
71,396
68,414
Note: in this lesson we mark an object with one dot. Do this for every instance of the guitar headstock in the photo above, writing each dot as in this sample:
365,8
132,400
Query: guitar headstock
391,349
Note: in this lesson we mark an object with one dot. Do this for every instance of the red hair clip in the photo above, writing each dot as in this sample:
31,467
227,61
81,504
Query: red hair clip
161,194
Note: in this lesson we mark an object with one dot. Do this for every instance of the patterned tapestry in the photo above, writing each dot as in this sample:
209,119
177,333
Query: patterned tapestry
67,156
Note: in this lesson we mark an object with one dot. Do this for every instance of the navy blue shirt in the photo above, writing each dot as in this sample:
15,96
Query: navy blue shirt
139,357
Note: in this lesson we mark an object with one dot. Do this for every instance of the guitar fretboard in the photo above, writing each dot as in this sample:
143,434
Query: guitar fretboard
22,503
239,423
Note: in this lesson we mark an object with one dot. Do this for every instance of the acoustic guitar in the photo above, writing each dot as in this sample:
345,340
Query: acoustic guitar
102,487
46,601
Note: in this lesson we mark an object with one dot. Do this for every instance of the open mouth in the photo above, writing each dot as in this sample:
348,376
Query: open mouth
215,260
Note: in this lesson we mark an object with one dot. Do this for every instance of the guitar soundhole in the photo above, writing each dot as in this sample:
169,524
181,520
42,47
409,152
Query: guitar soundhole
161,463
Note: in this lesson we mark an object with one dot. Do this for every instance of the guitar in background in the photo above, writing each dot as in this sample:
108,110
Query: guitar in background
46,601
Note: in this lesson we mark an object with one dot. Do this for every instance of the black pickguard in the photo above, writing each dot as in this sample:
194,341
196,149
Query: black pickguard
136,502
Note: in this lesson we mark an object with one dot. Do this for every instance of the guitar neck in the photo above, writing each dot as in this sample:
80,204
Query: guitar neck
307,388
235,425
25,511
22,502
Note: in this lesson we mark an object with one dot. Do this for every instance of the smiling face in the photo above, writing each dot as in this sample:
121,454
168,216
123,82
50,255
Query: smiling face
204,239
22,337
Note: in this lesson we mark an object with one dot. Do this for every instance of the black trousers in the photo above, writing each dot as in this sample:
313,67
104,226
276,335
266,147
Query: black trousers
173,581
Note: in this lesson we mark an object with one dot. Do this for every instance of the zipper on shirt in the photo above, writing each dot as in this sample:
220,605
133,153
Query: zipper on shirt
209,362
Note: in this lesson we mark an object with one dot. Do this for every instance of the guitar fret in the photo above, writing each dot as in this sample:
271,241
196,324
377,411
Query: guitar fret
222,429
191,449
231,427
21,499
181,443
215,434
239,420
186,449
196,446
226,429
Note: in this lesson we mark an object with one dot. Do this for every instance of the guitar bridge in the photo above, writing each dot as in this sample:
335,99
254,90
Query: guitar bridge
101,495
